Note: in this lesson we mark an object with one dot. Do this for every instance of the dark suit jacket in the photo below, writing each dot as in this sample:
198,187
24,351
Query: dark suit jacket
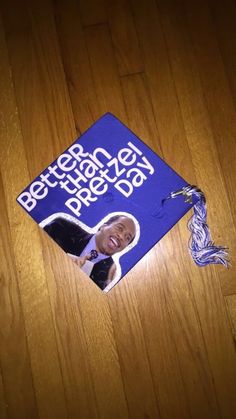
73,239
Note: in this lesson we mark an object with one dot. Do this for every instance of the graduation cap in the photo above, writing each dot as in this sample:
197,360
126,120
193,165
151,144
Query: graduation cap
108,199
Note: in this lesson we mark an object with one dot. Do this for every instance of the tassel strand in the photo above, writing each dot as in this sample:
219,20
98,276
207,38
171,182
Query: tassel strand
202,248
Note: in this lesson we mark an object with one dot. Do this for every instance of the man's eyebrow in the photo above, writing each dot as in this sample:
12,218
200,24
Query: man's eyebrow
119,223
124,227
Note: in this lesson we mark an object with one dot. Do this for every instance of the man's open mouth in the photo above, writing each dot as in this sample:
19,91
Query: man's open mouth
114,242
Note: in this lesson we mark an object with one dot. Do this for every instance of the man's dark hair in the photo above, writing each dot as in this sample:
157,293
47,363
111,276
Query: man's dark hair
115,218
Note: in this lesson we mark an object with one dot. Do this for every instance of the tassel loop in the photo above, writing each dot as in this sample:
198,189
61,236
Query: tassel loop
187,192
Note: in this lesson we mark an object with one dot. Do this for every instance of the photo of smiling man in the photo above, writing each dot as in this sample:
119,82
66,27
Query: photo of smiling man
95,250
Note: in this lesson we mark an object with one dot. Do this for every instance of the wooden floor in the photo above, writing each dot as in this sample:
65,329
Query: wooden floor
161,344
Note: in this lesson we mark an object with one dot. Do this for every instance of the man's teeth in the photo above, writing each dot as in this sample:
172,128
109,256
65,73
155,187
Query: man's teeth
114,241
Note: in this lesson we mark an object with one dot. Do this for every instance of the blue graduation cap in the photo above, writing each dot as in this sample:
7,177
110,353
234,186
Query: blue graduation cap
108,199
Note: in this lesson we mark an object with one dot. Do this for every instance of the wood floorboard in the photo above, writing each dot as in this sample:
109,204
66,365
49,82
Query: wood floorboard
161,344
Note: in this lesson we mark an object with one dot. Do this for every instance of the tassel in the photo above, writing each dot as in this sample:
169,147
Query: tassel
202,248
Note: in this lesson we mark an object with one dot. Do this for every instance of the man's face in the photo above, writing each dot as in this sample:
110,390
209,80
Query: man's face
114,237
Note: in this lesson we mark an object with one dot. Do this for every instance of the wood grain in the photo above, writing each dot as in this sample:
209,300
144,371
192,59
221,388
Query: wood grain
124,37
104,70
218,95
231,306
3,404
223,19
59,301
199,133
37,312
15,365
76,64
161,344
137,378
153,14
32,46
185,347
93,12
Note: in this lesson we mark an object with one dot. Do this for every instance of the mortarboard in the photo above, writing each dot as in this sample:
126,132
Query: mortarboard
108,199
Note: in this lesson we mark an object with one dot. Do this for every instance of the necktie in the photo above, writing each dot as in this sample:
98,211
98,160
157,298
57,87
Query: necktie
93,254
